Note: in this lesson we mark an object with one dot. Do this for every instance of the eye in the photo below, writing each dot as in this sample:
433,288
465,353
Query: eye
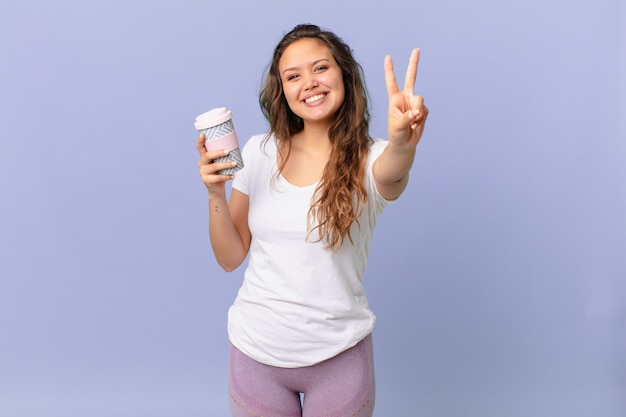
292,77
321,68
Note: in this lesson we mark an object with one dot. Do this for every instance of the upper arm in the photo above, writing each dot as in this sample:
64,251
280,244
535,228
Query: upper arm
238,207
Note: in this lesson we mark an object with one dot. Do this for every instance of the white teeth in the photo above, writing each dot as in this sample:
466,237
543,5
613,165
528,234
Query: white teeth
314,98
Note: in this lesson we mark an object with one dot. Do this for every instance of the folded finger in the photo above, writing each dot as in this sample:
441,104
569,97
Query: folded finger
416,103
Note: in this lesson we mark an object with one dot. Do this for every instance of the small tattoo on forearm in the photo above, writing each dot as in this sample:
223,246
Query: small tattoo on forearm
216,208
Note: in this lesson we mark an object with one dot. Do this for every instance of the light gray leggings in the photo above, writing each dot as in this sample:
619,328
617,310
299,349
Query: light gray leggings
342,386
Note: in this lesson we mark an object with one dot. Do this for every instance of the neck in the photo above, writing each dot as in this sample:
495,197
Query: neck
313,138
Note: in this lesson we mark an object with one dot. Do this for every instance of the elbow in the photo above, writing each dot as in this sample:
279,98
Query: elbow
230,258
229,267
393,190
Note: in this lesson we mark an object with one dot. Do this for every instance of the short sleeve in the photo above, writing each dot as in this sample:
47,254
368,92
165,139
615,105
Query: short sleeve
374,195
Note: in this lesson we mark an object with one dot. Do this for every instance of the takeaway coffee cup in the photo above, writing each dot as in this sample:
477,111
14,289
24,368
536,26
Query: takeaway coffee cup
219,132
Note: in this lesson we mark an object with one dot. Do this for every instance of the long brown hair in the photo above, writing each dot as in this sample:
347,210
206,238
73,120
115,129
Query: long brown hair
340,196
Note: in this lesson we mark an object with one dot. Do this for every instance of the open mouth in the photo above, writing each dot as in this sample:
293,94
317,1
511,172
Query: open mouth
315,98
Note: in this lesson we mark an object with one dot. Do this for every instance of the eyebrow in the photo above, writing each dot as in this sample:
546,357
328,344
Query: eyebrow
312,64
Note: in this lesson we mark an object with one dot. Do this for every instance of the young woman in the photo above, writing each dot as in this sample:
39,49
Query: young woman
304,208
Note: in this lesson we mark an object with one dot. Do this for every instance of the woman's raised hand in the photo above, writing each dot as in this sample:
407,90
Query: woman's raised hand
407,112
213,181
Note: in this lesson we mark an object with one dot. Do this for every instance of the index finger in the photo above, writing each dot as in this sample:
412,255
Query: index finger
200,145
411,72
390,77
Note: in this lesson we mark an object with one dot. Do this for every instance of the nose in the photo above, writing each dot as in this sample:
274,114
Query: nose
310,82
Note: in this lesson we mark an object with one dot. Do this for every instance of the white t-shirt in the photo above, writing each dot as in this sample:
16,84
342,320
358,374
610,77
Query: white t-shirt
299,303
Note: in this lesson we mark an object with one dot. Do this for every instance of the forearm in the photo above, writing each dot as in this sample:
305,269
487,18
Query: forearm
228,246
391,170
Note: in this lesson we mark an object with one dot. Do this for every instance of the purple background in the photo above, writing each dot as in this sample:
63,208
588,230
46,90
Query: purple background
498,279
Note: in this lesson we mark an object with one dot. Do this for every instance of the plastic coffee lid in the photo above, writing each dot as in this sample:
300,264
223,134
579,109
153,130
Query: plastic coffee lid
212,118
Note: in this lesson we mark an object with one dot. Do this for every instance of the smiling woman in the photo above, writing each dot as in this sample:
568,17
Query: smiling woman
304,208
312,82
497,278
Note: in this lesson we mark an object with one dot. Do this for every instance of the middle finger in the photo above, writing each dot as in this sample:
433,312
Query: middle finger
411,72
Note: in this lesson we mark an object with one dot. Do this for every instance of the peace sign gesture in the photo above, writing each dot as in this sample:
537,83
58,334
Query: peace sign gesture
407,113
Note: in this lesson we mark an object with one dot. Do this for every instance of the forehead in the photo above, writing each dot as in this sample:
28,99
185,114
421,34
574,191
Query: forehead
304,51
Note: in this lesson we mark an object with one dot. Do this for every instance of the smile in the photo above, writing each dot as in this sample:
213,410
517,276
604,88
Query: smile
315,98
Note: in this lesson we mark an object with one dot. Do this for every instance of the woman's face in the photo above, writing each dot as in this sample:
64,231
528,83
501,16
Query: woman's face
312,81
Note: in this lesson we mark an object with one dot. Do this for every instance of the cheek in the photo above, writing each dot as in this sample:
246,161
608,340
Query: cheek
290,94
337,83
341,95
